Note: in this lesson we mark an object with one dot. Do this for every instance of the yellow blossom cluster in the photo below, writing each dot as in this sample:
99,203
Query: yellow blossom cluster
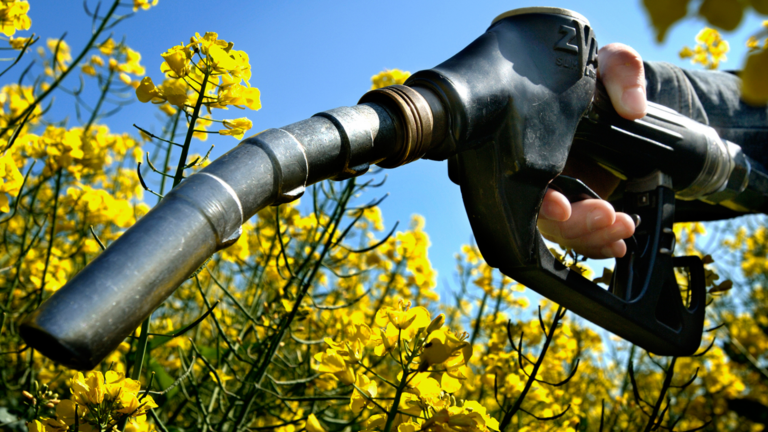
100,402
218,78
14,100
317,318
13,16
388,78
77,151
121,61
709,51
431,363
143,4
753,43
10,181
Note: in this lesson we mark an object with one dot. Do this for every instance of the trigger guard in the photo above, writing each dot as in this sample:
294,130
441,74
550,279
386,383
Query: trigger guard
574,189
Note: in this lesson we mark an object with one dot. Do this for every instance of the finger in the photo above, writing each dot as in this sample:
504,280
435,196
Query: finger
606,242
621,70
555,207
587,217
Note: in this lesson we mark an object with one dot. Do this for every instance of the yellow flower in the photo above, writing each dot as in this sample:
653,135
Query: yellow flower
208,40
242,67
131,65
61,50
388,78
88,69
146,91
332,362
143,4
237,127
376,421
442,345
10,181
351,352
406,317
709,51
93,391
238,95
137,424
13,16
168,109
35,426
708,36
107,47
221,59
409,427
472,417
174,91
201,125
366,390
176,60
313,424
384,341
65,412
87,389
18,43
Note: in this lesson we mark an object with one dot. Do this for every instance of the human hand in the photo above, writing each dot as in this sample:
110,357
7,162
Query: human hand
592,227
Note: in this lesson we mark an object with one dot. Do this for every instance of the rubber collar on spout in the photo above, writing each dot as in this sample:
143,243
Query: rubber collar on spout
413,121
543,10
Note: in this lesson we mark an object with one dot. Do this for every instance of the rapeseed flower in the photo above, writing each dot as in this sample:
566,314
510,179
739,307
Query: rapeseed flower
10,181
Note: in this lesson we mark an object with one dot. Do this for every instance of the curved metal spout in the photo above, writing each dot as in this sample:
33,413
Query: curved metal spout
98,308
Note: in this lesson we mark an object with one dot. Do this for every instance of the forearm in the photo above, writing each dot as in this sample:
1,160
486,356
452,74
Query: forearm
711,97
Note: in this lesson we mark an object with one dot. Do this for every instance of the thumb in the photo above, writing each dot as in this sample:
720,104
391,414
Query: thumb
621,70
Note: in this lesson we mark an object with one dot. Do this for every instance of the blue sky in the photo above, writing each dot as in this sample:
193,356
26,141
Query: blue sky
312,56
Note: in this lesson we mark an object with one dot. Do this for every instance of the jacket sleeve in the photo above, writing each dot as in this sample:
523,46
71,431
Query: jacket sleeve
712,98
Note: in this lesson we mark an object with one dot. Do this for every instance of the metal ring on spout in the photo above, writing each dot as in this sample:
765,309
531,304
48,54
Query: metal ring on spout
416,122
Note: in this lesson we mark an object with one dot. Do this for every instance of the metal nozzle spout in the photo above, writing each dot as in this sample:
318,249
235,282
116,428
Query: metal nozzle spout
97,309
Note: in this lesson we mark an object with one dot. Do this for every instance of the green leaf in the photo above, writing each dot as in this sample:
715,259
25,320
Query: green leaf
754,84
664,13
725,14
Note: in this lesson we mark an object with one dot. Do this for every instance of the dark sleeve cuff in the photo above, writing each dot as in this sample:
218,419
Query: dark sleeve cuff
711,97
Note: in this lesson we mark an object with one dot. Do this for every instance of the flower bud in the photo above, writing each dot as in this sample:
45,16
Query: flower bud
436,323
27,394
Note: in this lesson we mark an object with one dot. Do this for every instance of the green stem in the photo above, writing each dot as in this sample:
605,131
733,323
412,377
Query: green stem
169,150
190,131
670,372
53,232
395,403
256,375
532,376
95,113
142,348
479,319
403,381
